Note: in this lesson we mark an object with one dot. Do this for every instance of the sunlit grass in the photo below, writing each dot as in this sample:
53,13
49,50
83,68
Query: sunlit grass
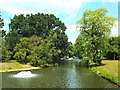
108,69
14,66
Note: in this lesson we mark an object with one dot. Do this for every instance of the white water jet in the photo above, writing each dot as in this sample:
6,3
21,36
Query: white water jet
70,58
24,74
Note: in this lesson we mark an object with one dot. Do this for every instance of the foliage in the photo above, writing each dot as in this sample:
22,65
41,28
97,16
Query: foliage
12,38
6,54
38,24
39,52
38,38
114,47
12,61
1,21
32,24
23,49
38,56
2,33
94,34
58,43
71,50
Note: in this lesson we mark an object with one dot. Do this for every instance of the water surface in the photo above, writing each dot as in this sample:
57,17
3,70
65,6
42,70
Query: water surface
67,75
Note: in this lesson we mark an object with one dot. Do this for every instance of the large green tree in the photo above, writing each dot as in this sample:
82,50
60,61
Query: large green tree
38,38
32,24
94,28
40,51
59,45
25,46
38,24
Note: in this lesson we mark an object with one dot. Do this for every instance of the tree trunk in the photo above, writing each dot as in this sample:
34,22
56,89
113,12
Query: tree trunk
114,56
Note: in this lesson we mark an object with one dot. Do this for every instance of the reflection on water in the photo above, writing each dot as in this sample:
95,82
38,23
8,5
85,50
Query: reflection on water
24,74
66,75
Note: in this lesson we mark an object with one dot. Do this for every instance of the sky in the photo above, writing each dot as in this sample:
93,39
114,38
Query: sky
69,11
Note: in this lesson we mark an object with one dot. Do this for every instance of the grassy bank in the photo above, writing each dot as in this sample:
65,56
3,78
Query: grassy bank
108,70
15,66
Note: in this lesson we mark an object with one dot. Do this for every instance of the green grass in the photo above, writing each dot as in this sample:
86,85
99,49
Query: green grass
14,68
108,70
13,65
12,61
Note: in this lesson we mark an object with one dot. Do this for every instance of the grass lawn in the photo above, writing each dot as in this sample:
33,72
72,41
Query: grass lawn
14,66
109,69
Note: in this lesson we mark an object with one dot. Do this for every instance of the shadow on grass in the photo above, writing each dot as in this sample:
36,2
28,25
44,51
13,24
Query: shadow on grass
95,65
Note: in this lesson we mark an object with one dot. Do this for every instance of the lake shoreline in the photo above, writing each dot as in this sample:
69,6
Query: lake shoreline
15,67
24,69
99,74
104,71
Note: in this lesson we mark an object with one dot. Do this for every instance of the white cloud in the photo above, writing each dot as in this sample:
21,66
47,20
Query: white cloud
13,10
71,28
70,17
70,4
45,6
110,0
71,40
72,33
63,3
114,30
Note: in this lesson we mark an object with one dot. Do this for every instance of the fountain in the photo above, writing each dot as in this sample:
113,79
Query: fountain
70,58
24,74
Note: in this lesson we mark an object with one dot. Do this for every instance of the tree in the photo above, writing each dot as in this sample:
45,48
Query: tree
32,24
58,44
6,54
22,49
38,38
1,21
12,38
38,24
114,47
70,49
33,50
79,46
94,28
39,55
2,33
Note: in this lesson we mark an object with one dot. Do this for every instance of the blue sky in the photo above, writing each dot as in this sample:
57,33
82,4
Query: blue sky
69,11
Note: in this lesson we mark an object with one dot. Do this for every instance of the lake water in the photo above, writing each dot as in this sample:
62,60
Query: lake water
66,75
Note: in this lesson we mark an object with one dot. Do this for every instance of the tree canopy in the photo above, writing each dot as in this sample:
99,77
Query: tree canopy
95,28
35,24
36,38
114,47
32,24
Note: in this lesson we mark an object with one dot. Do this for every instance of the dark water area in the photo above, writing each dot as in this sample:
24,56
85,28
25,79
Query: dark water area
67,75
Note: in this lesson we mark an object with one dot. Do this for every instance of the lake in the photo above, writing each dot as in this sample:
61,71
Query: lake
67,75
